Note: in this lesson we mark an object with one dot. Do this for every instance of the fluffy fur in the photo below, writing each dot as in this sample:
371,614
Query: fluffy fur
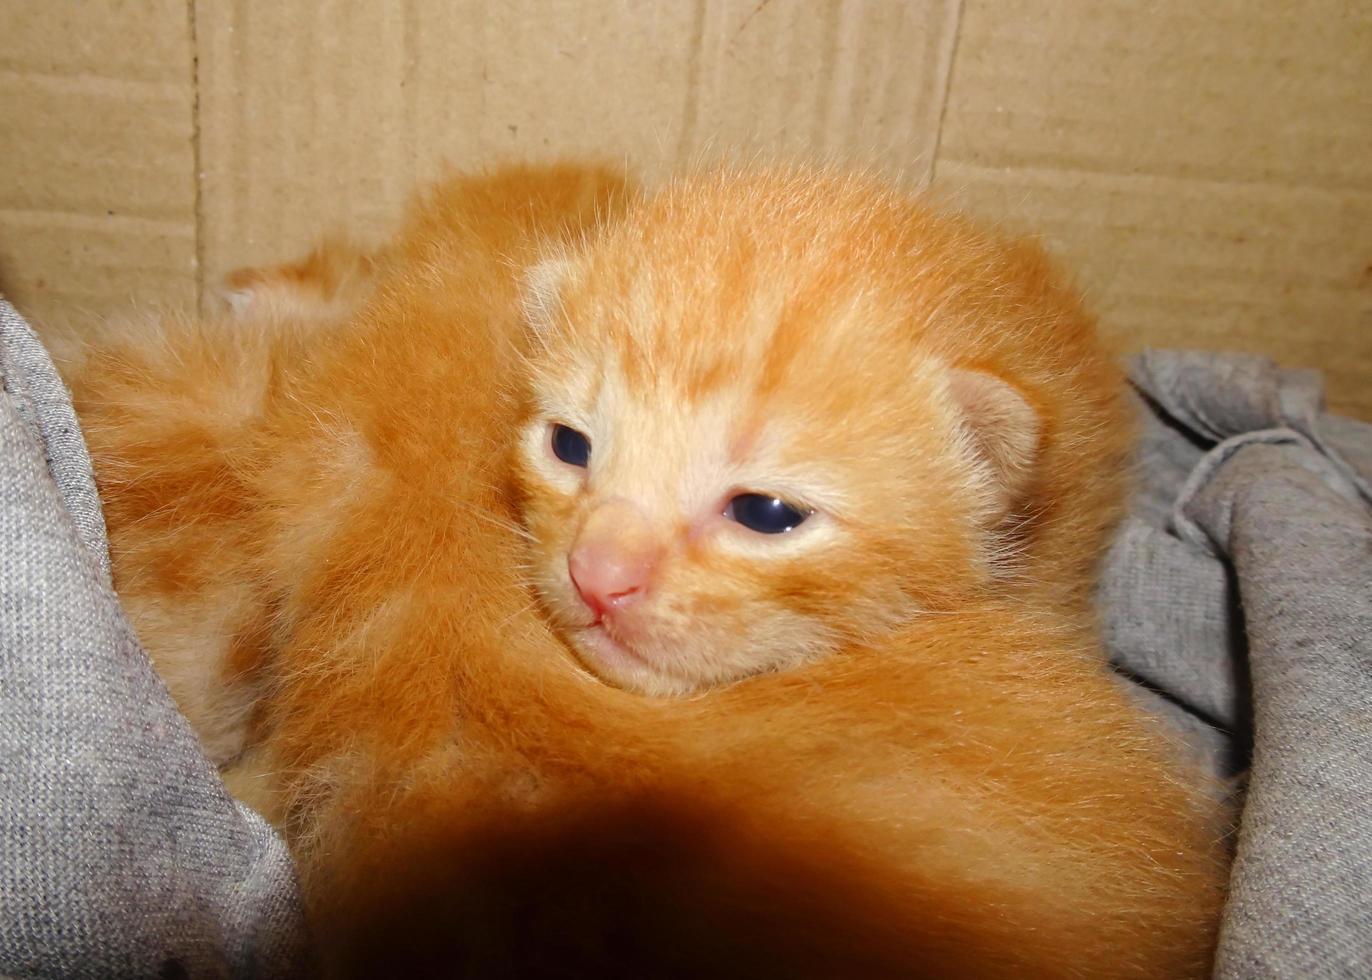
314,528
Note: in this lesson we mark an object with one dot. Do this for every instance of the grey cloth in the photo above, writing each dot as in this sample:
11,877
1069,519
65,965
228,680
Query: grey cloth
1237,597
1240,589
121,853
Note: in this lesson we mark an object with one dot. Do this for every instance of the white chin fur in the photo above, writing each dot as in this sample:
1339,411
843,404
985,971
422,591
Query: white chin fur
616,664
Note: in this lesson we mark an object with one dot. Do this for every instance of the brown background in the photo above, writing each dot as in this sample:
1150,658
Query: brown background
1205,167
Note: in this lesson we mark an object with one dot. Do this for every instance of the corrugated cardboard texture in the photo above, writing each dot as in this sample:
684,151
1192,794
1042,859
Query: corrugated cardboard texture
1206,168
295,138
97,157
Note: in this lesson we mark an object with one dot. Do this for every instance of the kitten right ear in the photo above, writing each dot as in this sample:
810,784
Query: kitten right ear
543,291
1005,431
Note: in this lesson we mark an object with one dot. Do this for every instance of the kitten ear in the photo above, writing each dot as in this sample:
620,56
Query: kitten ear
542,291
1005,432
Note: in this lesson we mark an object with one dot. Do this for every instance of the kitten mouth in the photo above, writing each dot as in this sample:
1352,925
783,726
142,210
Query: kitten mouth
610,657
599,638
619,664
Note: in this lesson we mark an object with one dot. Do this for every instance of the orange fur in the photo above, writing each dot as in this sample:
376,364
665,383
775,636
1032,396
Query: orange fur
327,284
321,522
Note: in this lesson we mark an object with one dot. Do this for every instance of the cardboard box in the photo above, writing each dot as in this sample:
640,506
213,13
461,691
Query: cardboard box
1205,168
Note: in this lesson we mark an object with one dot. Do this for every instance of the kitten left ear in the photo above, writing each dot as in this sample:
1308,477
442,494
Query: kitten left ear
542,291
1005,431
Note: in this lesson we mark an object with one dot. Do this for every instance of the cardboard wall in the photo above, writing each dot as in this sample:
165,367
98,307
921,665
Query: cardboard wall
97,156
1205,168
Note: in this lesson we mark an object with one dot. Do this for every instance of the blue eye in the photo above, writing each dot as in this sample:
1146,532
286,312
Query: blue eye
763,514
571,446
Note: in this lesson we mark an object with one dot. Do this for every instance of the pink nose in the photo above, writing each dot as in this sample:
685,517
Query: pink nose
609,578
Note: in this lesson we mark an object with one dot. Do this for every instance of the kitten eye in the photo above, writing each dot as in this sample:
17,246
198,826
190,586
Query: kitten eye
571,446
764,514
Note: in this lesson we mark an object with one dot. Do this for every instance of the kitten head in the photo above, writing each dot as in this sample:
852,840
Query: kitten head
740,454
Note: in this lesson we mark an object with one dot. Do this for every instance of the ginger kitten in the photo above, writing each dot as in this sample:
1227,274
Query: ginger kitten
775,415
902,754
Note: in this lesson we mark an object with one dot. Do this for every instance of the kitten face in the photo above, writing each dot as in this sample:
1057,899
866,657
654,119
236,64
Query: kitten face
737,458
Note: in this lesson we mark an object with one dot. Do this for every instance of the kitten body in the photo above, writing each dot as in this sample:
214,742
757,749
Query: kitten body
313,514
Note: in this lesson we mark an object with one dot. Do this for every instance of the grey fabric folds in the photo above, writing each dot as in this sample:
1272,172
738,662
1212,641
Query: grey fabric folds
121,853
1241,589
